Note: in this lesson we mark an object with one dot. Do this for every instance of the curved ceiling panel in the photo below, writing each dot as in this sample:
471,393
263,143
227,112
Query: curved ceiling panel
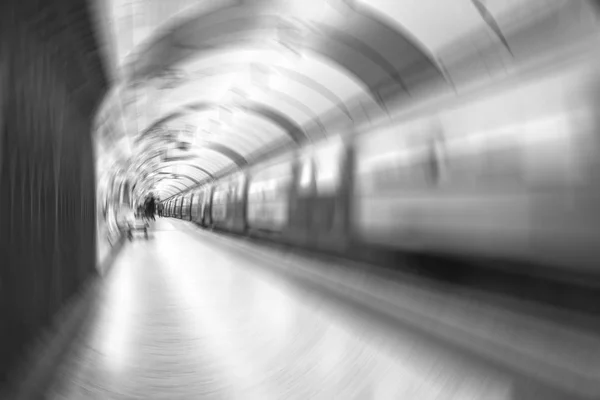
278,78
297,110
294,113
290,127
197,88
318,87
165,175
234,139
177,172
301,109
361,47
168,189
453,20
212,160
245,141
175,183
247,134
347,52
233,155
212,127
282,91
189,169
270,53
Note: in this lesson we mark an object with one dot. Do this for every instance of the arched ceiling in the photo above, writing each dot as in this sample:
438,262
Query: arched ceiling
204,87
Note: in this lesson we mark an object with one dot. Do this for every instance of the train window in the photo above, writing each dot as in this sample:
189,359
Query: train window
503,164
253,191
394,171
414,168
199,199
241,183
487,159
194,205
328,168
271,183
220,196
267,190
426,167
549,144
440,159
465,159
306,175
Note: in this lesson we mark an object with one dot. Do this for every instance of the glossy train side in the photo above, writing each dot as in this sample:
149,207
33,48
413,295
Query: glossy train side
508,171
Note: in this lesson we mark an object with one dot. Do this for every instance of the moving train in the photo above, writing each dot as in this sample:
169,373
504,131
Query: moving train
507,171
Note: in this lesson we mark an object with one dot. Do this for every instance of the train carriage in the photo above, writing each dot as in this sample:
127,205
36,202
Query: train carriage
200,202
504,172
177,207
330,225
268,198
228,203
170,208
318,196
186,203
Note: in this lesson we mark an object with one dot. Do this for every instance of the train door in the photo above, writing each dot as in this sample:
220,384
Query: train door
241,197
208,201
269,196
179,203
188,208
327,216
236,202
196,206
301,195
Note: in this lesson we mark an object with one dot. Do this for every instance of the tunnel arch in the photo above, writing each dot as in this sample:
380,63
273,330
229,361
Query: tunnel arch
208,174
301,79
168,48
293,130
361,45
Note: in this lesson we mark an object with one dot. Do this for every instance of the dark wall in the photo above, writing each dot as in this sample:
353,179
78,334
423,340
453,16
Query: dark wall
51,81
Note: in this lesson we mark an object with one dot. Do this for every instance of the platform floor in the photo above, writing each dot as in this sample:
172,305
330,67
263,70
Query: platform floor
180,317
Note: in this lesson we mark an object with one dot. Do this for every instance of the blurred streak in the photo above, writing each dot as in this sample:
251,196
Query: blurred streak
491,21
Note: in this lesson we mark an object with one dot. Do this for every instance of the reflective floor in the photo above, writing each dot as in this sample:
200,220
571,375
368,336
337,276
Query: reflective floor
181,318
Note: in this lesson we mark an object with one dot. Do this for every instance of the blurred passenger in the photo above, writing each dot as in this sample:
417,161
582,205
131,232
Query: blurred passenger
160,209
141,211
150,206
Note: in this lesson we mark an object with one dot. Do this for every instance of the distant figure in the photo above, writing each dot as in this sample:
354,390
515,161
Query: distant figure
150,205
141,211
160,209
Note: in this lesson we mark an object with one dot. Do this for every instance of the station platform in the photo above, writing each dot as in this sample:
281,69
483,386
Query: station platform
183,315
